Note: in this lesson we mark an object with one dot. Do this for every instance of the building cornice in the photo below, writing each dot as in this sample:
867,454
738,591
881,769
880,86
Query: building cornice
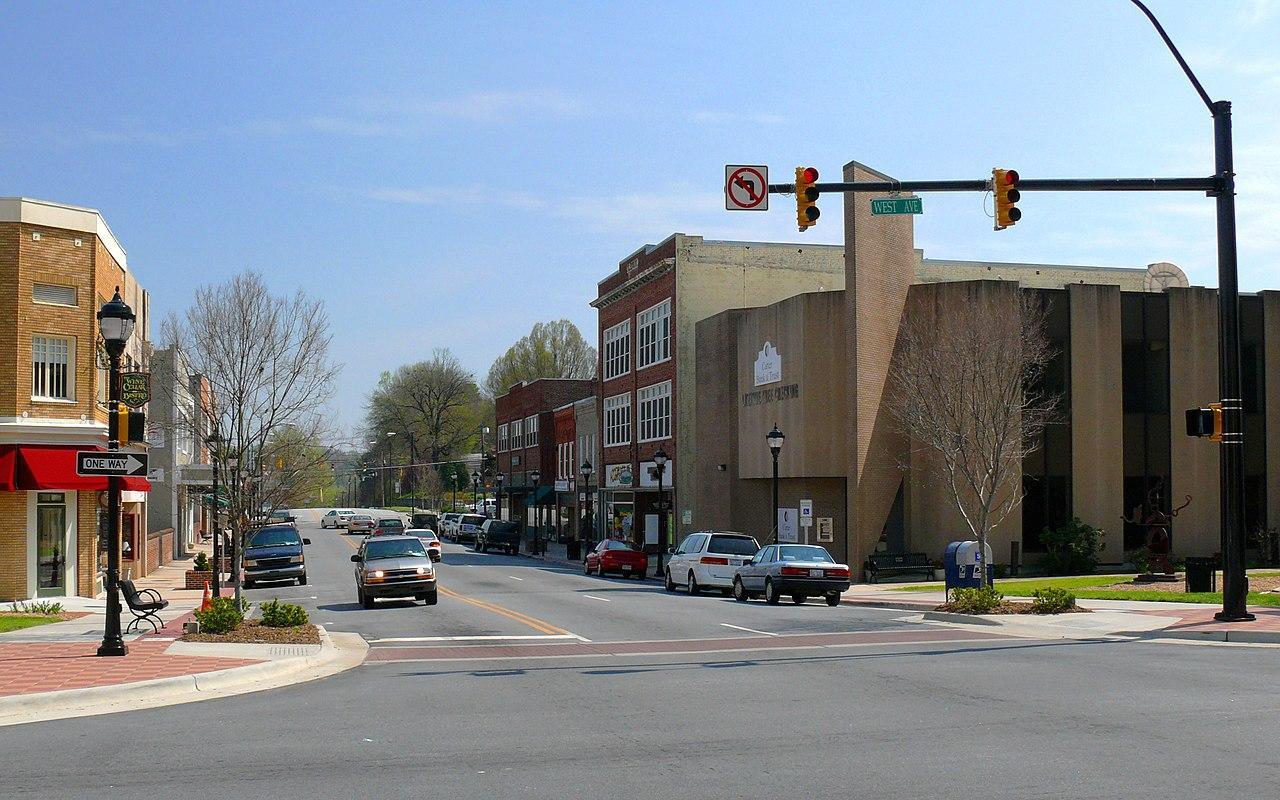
66,217
634,283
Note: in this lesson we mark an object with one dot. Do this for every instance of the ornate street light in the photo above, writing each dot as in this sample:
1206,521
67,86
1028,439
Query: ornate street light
775,438
660,464
115,323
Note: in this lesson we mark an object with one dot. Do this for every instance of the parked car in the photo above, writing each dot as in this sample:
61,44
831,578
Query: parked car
499,534
800,570
336,518
429,540
360,523
274,553
393,566
449,524
280,516
612,555
468,525
708,559
388,526
424,520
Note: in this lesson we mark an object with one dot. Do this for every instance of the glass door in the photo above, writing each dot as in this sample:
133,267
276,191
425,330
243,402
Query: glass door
51,544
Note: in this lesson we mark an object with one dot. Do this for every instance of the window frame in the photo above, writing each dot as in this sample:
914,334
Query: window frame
75,293
69,379
517,434
613,405
615,349
503,431
531,431
661,314
660,391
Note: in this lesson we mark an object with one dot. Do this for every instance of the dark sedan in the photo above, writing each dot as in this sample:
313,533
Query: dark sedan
799,570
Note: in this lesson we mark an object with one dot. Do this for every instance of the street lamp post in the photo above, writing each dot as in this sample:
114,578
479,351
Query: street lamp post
386,477
536,477
497,482
660,466
475,491
115,323
775,438
586,469
213,440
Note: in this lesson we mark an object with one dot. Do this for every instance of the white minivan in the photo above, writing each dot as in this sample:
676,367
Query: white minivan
708,560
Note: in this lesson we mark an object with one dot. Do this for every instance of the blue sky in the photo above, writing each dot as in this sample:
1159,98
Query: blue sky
445,175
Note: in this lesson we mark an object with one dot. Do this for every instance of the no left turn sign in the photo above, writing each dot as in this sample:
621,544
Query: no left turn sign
746,188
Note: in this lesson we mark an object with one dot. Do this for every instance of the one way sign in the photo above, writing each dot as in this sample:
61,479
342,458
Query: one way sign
96,462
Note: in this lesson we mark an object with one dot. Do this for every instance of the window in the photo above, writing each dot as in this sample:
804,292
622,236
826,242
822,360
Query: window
617,420
517,435
51,372
54,295
531,431
653,335
564,461
655,411
617,350
502,438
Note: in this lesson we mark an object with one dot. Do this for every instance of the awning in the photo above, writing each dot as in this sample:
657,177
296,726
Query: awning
53,467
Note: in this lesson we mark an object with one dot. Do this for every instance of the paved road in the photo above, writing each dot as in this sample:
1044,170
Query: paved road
853,704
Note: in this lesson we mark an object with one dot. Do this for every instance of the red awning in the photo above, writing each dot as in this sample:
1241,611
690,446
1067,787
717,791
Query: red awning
53,467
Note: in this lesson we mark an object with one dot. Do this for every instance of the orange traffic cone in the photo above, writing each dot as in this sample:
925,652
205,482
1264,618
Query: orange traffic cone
207,602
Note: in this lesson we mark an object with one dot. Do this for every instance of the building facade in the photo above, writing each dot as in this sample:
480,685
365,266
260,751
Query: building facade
586,423
1133,349
58,265
647,312
181,473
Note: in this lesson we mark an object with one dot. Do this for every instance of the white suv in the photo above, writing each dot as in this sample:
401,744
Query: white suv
709,560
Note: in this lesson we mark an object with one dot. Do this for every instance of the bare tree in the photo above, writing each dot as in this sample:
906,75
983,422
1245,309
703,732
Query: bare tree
266,358
966,383
550,350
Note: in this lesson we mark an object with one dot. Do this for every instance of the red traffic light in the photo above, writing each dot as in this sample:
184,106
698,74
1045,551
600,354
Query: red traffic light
810,175
1011,177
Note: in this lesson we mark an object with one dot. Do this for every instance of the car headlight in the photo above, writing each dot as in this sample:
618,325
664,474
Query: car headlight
295,560
250,562
375,575
424,570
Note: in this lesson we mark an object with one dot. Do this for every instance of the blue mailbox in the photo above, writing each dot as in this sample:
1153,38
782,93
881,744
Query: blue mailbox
963,565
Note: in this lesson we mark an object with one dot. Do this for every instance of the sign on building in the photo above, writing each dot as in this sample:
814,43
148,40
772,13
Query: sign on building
768,365
135,388
826,529
788,527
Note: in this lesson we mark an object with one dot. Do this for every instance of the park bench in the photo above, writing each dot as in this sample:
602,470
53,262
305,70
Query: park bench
882,564
145,605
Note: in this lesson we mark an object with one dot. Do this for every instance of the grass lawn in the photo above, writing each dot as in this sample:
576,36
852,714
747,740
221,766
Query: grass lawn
16,622
1083,587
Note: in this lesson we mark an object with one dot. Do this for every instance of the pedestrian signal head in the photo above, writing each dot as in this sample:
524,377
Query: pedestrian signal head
807,212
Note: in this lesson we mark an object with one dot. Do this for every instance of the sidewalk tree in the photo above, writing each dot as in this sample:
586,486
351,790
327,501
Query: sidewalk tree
967,385
266,359
550,350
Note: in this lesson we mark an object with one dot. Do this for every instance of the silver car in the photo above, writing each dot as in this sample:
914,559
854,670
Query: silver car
394,566
799,570
360,523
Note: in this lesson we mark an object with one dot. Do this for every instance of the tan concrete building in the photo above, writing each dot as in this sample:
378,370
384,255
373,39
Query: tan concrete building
58,265
1134,348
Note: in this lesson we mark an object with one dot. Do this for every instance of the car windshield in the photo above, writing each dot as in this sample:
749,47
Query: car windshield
733,545
801,552
390,523
346,513
501,527
393,548
362,517
614,544
275,537
473,519
422,533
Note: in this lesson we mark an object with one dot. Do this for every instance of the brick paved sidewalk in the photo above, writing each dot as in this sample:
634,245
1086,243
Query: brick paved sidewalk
1199,619
31,667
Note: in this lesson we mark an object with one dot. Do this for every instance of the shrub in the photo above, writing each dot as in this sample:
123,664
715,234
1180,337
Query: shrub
1140,558
202,563
42,607
1071,549
223,617
283,615
980,600
1053,601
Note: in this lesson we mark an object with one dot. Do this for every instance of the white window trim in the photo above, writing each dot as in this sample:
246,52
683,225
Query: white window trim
75,292
640,325
640,405
517,435
531,431
609,405
71,370
503,432
611,335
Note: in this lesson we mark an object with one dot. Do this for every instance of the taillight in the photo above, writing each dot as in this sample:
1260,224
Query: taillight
794,571
838,573
715,560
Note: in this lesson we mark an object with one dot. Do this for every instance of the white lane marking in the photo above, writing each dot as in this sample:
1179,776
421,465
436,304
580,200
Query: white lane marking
748,630
514,578
601,599
536,637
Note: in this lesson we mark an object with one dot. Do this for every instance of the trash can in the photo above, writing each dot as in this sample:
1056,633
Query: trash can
1201,574
573,550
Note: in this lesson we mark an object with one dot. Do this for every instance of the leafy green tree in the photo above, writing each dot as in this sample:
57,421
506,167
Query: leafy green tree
550,350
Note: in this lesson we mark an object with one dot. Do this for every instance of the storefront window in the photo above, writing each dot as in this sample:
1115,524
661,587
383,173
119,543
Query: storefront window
51,543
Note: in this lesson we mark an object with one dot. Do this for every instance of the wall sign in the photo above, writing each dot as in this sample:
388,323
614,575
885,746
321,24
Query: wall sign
618,475
788,530
771,395
135,388
768,365
826,529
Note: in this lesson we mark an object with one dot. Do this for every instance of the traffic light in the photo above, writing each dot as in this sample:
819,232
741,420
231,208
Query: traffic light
1004,185
1205,423
124,425
807,212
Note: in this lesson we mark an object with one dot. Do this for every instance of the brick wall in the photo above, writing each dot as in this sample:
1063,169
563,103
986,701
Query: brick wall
13,545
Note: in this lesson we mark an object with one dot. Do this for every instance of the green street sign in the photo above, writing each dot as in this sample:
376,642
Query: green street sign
897,205
135,388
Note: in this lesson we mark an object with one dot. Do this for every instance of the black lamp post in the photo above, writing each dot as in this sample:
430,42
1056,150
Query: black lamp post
536,477
115,324
214,441
475,491
586,469
660,466
775,438
497,482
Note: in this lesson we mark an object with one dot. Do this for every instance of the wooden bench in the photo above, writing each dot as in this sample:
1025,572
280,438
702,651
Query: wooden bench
882,564
145,605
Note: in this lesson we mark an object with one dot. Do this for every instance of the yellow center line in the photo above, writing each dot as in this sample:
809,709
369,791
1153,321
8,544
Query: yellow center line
524,619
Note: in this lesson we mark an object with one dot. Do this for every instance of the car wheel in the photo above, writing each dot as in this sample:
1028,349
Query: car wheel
833,599
669,585
739,591
726,592
433,596
799,599
771,595
600,569
586,569
365,600
248,584
693,588
303,580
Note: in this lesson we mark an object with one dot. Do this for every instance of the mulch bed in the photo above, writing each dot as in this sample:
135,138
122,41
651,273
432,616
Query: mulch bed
1008,607
254,632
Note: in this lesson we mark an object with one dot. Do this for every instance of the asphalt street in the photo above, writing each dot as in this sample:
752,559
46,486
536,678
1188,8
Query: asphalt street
696,697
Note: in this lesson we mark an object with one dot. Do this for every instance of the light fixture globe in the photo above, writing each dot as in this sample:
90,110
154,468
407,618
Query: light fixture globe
115,322
499,479
660,458
775,438
586,469
535,476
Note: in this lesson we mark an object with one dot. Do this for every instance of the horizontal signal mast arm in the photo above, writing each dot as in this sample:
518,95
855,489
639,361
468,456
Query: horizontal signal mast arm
1209,184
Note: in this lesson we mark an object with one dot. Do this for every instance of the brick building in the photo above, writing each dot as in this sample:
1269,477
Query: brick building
525,416
58,265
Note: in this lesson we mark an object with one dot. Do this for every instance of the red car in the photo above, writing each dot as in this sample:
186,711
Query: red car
612,555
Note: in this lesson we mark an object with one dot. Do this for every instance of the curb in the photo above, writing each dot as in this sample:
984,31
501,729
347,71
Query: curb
898,605
272,674
963,619
1239,636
